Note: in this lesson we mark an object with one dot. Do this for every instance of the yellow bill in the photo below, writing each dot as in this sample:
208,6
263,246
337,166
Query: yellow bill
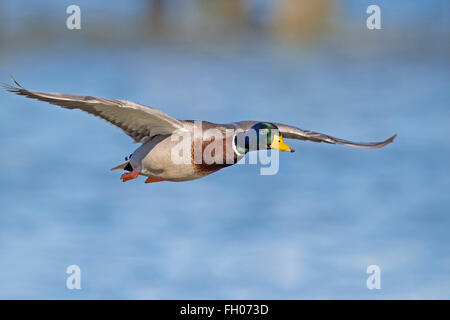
279,144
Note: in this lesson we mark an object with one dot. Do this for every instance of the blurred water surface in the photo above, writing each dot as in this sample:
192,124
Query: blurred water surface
309,231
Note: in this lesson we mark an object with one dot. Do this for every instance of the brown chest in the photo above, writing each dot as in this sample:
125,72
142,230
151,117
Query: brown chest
209,154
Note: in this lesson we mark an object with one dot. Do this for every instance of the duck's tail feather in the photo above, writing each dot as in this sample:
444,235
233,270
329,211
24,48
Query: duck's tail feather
122,166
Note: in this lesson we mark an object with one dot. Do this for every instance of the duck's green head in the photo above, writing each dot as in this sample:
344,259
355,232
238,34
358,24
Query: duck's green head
261,130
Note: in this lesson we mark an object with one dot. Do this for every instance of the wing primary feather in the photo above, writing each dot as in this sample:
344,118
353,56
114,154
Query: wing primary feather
138,121
291,132
15,81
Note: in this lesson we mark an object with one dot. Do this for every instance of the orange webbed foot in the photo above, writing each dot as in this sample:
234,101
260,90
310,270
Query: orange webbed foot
150,180
130,175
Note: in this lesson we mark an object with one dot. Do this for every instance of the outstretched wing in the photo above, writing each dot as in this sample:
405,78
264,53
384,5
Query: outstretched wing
138,121
291,132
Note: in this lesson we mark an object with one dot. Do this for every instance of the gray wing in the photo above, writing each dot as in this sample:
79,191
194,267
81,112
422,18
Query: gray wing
138,121
291,132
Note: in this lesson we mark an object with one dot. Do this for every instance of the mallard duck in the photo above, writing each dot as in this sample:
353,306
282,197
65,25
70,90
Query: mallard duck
159,135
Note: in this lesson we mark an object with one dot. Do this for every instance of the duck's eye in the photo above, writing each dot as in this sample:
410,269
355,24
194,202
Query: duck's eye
279,141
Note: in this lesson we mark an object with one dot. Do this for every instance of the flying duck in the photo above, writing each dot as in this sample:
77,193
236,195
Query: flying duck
160,134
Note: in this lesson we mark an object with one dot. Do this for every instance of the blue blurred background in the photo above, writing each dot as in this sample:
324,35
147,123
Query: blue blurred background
309,231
